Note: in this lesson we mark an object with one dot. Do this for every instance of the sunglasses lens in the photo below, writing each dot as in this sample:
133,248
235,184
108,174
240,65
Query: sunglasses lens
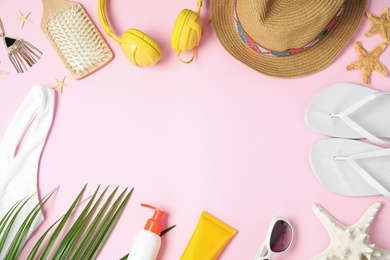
281,236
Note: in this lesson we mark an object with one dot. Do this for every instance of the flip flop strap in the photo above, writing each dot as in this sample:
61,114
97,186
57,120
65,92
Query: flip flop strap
355,126
352,160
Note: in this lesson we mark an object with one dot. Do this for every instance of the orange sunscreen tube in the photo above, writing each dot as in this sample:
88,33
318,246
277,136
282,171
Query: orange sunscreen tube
209,239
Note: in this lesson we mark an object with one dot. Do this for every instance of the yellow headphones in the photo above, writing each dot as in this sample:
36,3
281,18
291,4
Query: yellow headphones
137,46
187,32
143,51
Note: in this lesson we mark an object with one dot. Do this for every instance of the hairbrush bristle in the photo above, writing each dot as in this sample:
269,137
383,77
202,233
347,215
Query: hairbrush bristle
77,40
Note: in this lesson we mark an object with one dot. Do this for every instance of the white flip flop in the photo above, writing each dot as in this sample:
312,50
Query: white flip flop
351,168
351,111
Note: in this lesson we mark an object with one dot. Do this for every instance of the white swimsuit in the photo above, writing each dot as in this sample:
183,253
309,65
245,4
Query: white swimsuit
18,167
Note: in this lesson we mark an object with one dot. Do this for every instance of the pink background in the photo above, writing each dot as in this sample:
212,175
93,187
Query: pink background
214,135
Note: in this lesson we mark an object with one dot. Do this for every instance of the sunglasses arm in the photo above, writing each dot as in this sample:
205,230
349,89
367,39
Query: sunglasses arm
262,251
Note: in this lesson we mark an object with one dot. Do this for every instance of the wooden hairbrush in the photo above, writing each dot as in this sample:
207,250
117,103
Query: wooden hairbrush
74,36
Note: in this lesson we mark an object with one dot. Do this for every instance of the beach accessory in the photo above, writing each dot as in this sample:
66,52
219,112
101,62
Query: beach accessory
279,239
380,25
352,111
19,163
368,61
350,242
210,237
20,52
23,19
74,36
136,45
286,39
147,242
351,168
60,84
187,32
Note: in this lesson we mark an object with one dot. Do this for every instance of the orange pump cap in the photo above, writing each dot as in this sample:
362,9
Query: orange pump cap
154,224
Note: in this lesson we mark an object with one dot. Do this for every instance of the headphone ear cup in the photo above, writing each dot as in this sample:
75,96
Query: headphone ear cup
140,48
186,31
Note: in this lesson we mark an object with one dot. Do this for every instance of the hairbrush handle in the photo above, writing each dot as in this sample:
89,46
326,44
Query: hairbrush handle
52,7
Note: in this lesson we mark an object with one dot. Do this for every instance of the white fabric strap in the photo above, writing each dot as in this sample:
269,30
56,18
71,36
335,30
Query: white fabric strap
355,126
19,160
37,107
352,160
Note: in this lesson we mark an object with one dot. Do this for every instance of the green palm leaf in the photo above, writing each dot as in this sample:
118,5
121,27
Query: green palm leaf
90,230
81,241
4,220
5,225
85,238
18,241
37,245
60,226
9,219
72,236
167,230
107,226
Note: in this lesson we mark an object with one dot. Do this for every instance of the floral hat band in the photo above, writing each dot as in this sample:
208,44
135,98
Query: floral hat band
256,47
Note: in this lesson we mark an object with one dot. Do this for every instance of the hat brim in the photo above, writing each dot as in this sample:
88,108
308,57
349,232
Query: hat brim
310,61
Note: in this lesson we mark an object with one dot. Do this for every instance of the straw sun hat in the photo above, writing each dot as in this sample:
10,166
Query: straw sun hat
286,38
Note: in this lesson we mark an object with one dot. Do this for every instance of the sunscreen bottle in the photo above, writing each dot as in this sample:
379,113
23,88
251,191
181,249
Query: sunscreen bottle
148,241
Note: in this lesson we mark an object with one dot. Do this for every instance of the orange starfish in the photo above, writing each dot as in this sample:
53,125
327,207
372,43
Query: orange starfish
380,24
368,61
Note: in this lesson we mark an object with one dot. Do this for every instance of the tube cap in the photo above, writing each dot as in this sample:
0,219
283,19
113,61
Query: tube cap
154,224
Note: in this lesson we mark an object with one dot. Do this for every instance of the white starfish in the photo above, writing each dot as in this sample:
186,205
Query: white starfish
23,19
350,242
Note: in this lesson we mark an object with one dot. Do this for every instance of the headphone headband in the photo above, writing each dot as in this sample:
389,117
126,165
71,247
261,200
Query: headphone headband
200,2
104,21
